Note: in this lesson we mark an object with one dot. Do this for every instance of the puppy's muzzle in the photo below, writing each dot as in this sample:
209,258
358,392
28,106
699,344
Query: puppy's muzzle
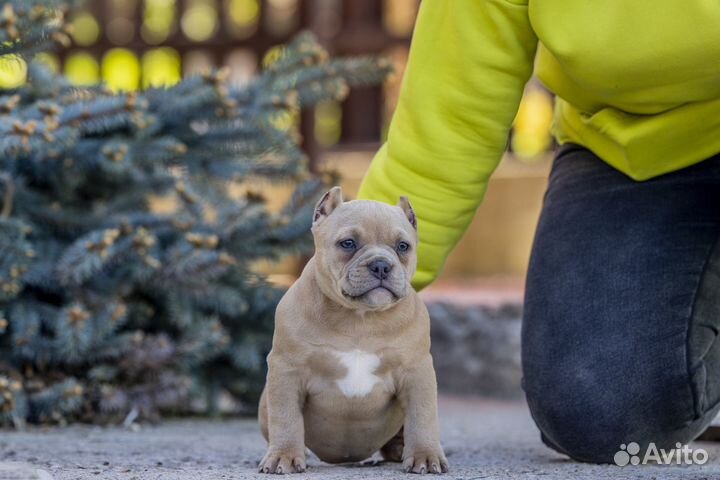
375,272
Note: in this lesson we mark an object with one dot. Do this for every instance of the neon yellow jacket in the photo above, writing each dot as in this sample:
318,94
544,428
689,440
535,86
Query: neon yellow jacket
638,83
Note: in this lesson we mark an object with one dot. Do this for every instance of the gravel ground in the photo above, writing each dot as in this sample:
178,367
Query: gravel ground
482,439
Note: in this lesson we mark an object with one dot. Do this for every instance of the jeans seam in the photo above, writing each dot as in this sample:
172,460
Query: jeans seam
688,361
708,409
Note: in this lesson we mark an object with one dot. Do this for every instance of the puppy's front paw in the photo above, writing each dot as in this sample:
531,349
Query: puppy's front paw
283,461
427,460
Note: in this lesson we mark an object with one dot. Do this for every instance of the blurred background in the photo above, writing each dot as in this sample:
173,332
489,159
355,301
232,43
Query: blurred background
476,304
133,44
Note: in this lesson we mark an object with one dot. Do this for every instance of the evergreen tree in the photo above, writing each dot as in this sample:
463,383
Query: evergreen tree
108,306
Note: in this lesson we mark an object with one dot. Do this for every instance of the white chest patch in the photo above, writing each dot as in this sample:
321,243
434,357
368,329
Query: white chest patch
360,378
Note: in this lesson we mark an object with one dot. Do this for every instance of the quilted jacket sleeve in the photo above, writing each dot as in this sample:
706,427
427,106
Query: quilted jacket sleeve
469,62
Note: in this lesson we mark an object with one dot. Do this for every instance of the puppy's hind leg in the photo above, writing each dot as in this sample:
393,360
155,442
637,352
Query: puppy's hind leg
263,415
393,449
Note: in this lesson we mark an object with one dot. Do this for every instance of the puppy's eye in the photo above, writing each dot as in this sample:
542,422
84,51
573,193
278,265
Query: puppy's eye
403,247
348,244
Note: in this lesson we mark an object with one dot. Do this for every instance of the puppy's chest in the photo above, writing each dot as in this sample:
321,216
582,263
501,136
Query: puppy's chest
353,373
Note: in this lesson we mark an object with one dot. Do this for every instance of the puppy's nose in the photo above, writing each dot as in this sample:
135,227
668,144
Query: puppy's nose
380,268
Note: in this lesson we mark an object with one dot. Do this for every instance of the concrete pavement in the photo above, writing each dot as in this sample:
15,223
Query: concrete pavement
482,439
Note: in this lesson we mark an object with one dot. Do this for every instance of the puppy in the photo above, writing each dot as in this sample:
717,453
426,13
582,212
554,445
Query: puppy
350,371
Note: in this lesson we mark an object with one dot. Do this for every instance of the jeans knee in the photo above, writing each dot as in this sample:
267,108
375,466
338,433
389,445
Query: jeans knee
575,427
591,426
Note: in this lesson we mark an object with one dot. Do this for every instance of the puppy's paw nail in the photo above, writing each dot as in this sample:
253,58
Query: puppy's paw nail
435,468
279,470
422,469
299,464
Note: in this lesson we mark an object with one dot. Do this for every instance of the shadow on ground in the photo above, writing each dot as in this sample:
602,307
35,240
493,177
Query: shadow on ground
482,439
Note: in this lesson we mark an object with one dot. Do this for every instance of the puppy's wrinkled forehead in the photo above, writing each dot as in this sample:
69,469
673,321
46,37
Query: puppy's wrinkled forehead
373,222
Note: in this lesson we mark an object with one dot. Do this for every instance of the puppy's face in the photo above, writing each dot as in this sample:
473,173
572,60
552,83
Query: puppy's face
364,251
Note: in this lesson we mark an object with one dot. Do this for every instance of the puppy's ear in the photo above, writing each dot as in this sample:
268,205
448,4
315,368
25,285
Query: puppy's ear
404,204
329,202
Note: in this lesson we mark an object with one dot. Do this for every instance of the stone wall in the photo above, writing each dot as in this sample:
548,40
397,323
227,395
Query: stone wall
476,349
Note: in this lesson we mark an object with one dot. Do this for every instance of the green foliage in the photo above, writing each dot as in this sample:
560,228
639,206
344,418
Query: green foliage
107,305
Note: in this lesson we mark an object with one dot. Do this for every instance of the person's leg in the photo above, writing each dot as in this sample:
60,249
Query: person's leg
622,307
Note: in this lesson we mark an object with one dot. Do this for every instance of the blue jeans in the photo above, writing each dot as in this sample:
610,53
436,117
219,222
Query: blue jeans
622,307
